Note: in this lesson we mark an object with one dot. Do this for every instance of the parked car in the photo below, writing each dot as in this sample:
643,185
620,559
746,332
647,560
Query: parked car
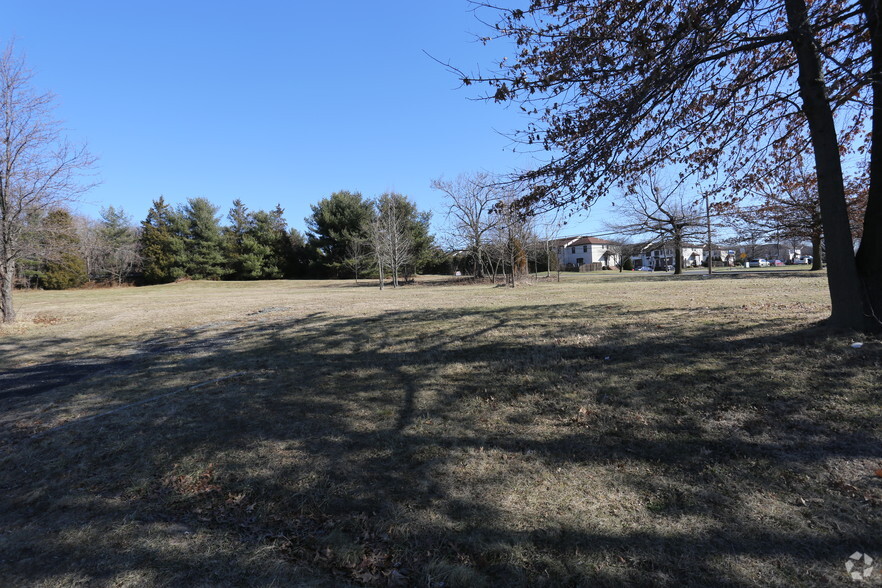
645,268
802,260
776,263
757,263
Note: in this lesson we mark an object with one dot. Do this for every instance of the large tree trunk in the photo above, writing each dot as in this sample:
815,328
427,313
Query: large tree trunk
869,255
816,250
478,272
842,277
7,280
678,256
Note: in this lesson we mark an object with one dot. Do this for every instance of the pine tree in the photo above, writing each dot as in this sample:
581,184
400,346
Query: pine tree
119,244
234,235
256,243
203,258
334,222
162,244
66,267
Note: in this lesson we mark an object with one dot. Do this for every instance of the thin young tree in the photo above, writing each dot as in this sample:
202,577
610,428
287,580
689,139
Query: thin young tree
549,226
379,246
513,235
91,248
357,256
39,169
394,234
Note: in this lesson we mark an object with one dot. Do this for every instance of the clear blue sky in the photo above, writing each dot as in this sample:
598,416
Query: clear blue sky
273,102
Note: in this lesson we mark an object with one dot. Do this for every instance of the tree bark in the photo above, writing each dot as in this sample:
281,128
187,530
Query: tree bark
842,277
678,256
869,255
7,281
816,250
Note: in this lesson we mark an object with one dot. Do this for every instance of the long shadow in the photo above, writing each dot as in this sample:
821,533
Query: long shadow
28,381
359,448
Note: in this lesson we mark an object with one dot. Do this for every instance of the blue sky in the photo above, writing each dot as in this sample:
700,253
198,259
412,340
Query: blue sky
276,102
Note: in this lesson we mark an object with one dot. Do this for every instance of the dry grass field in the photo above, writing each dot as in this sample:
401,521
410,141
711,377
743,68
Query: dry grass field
606,430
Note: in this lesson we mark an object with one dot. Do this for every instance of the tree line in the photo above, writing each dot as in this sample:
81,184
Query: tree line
348,236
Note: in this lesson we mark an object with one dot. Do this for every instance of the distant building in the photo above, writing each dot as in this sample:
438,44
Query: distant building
722,257
772,251
584,253
659,257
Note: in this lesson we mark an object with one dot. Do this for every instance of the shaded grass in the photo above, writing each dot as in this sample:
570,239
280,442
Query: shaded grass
601,431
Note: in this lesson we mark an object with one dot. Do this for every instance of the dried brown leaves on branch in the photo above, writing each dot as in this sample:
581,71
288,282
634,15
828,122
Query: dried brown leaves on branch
616,89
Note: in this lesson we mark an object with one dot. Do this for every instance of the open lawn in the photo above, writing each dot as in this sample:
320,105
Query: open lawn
610,429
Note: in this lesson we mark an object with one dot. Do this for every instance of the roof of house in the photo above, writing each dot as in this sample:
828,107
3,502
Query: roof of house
579,240
669,246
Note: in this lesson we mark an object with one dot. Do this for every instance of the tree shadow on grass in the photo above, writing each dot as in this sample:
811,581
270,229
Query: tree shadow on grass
525,445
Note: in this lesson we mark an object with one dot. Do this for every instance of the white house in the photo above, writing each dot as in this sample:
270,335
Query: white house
722,257
660,257
582,251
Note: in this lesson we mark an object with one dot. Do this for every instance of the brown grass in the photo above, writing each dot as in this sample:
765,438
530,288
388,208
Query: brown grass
611,429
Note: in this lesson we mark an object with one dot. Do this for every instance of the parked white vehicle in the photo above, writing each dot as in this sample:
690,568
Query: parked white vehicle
758,263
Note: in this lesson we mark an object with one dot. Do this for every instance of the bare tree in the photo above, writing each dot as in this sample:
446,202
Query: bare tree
786,203
87,230
549,226
357,256
377,236
390,235
470,201
38,168
623,248
748,233
652,208
513,236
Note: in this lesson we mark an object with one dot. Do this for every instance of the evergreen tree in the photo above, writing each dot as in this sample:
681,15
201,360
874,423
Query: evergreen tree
334,223
268,243
203,259
257,243
298,255
118,244
162,244
66,267
234,235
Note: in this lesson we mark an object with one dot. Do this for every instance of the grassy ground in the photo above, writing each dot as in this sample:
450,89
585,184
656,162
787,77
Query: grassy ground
606,430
